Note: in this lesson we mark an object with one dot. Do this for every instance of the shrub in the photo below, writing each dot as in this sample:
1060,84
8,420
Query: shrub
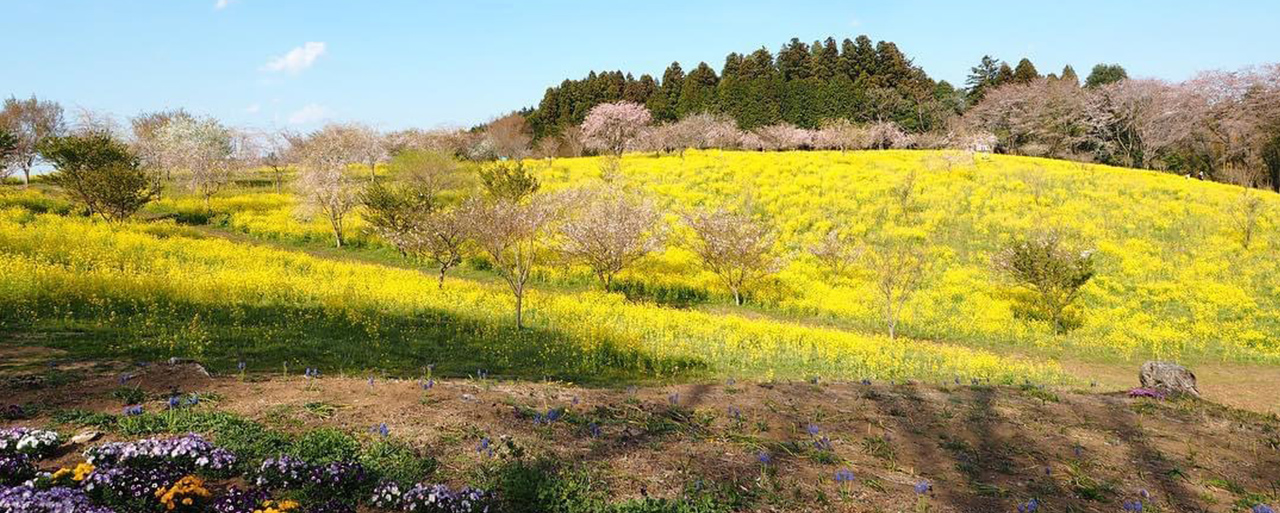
326,445
101,173
1051,272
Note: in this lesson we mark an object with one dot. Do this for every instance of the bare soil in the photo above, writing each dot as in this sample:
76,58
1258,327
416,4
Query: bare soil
981,448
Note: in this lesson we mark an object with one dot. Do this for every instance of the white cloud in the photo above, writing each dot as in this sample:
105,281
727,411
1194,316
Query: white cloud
297,59
221,4
253,109
308,114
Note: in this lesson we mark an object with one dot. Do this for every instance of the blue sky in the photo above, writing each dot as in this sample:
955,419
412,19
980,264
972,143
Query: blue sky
398,64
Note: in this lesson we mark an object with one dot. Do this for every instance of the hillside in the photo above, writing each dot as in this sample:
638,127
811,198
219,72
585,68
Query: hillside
1174,280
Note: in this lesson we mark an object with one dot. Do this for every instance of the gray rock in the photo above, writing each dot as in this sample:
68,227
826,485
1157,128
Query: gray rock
1168,377
85,437
189,362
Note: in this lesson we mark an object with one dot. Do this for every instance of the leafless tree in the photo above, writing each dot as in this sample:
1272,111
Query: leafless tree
608,230
1247,213
733,246
203,148
30,121
836,252
898,267
509,136
145,130
277,153
325,183
511,235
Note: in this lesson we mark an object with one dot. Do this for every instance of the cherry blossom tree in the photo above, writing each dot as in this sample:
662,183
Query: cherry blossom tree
512,236
733,246
202,148
325,182
614,127
30,121
608,230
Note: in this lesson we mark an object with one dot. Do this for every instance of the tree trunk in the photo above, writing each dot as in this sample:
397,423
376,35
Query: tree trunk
26,176
520,309
442,271
737,297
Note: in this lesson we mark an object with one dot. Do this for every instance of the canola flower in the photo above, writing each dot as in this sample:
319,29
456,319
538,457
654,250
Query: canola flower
180,292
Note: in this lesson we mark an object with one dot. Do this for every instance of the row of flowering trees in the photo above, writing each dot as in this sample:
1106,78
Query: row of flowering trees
1223,125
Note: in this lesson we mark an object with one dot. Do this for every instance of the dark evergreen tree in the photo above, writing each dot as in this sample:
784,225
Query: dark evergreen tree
1069,74
1104,74
793,60
663,105
698,93
1025,72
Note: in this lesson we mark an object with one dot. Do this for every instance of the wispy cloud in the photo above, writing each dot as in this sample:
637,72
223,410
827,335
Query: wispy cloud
308,114
253,109
297,59
221,4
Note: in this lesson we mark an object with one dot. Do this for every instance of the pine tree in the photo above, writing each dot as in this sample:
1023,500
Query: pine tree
1069,74
1004,75
698,92
1025,72
1104,74
793,60
663,105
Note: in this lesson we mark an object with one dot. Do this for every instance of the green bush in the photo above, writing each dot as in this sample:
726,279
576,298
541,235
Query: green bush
324,445
397,461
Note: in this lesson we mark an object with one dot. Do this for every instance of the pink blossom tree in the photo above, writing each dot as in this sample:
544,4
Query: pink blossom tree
614,127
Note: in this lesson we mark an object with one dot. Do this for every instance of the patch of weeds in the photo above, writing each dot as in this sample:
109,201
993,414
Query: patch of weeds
1085,486
397,461
249,440
879,447
324,445
320,409
85,418
129,394
874,484
1044,395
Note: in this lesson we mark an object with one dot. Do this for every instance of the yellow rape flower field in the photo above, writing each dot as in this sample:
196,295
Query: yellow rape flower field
1173,279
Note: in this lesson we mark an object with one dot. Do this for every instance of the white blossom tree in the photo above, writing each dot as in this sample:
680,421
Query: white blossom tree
609,229
202,148
325,182
512,235
734,247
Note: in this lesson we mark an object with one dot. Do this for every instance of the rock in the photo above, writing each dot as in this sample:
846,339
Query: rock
1168,377
189,362
85,437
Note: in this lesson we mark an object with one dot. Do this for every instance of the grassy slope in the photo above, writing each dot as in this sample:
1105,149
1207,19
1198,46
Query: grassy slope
1173,279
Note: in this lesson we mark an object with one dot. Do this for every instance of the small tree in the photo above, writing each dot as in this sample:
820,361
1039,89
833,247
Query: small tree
508,136
510,235
202,147
8,148
612,127
394,211
898,266
735,247
100,173
277,153
508,180
610,231
438,237
1051,272
30,121
1248,212
324,182
836,253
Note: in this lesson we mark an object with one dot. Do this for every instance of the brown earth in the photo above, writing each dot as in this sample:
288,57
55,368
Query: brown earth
981,448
